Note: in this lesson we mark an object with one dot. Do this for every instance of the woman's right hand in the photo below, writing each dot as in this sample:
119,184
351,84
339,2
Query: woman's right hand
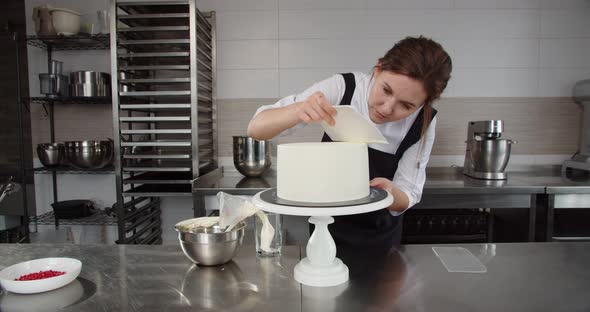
315,109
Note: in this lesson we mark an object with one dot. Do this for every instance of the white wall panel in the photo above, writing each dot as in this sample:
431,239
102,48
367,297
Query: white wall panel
402,23
565,52
321,4
237,5
247,54
295,81
247,25
322,24
327,53
495,82
565,23
410,4
560,81
496,4
247,83
564,4
495,24
492,52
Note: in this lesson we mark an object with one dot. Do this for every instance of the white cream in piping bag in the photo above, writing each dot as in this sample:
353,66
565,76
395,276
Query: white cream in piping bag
267,232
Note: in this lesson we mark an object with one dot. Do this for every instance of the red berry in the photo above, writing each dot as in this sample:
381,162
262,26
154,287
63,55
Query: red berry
39,275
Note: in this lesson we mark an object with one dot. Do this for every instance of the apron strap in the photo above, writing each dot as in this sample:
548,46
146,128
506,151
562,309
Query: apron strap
350,85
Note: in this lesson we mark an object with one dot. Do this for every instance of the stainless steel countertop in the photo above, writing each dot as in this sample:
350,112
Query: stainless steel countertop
519,277
160,278
439,181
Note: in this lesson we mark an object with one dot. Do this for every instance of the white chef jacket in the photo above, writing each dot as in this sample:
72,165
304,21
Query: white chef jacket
410,174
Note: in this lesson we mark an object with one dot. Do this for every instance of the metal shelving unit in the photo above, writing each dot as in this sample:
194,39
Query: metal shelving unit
99,218
69,100
67,43
71,170
164,113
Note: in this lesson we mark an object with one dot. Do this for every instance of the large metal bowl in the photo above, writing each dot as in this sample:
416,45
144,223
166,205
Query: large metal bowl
89,154
251,156
51,154
211,245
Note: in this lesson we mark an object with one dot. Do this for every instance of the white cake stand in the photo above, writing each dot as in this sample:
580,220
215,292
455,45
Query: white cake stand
321,267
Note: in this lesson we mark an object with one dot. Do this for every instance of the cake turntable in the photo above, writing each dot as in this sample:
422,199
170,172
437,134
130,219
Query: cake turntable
321,267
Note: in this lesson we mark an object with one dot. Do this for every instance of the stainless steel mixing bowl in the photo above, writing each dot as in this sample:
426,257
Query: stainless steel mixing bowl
211,245
89,154
490,155
50,154
251,156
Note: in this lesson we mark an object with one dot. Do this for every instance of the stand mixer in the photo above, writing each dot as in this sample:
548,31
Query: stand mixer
486,154
581,160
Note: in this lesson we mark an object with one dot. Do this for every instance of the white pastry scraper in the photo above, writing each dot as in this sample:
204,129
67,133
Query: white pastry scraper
352,127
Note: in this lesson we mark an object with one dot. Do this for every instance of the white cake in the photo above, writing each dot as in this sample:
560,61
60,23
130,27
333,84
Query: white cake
322,172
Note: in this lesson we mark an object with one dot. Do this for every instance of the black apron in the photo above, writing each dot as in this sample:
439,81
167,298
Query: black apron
377,229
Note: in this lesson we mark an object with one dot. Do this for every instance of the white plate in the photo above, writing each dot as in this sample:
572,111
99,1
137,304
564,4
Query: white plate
8,275
352,127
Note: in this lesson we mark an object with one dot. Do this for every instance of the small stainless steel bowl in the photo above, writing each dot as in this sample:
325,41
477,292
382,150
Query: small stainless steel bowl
50,154
211,245
251,156
89,154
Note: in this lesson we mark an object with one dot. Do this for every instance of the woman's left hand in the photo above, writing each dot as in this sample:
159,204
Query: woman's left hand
383,183
401,200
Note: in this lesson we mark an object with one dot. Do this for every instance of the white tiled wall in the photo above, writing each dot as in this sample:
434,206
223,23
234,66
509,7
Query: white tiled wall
500,48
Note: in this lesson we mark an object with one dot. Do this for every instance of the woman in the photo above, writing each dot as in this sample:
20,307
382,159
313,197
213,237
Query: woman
397,97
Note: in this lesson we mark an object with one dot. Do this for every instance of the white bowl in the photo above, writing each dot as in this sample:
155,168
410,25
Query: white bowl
66,22
70,266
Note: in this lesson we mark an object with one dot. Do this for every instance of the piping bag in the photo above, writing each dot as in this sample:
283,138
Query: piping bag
233,209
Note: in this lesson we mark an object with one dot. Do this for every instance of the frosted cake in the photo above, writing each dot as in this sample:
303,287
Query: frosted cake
322,172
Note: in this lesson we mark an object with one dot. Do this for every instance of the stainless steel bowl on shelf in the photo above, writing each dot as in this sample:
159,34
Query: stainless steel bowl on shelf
90,83
211,245
89,90
251,156
51,154
88,76
89,154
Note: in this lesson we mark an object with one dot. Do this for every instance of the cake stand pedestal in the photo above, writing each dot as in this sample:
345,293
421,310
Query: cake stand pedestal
321,267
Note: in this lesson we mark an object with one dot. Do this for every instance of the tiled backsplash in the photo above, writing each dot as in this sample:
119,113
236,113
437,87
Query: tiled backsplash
540,125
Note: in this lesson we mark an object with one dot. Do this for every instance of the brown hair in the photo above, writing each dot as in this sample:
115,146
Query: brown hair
422,59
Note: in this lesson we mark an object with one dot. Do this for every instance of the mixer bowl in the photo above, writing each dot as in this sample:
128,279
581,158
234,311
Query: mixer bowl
490,155
251,156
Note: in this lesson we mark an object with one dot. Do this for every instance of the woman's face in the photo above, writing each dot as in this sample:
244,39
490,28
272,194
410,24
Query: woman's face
394,97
